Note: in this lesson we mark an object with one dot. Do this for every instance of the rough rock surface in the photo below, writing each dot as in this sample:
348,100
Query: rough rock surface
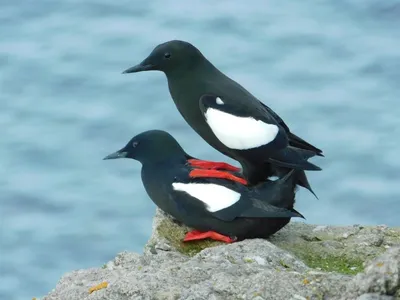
299,262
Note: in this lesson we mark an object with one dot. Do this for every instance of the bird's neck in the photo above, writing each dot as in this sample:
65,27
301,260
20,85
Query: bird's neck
158,173
164,162
179,75
192,83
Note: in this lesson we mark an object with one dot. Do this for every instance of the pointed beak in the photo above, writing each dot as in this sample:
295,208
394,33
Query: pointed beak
143,66
118,154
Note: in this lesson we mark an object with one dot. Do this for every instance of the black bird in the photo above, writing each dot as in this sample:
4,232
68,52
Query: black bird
227,116
217,204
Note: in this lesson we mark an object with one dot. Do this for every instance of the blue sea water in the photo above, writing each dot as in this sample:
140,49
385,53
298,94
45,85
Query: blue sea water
331,69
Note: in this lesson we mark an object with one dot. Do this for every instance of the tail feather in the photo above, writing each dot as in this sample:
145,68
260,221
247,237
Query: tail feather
289,176
300,179
294,158
298,142
303,181
281,192
299,215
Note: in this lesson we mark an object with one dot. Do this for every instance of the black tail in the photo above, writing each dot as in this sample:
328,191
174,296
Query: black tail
299,215
278,198
298,142
281,192
289,178
294,158
303,181
301,178
285,186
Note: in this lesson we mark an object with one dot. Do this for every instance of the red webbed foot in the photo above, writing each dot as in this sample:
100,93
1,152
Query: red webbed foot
212,165
198,235
199,173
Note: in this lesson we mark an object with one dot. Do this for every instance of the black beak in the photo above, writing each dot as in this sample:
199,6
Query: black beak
143,66
118,154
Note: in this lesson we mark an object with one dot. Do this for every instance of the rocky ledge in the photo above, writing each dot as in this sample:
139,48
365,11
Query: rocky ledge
299,262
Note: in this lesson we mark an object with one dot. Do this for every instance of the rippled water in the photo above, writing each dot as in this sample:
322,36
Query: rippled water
330,69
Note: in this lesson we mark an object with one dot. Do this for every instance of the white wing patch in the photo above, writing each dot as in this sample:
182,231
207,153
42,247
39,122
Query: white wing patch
214,196
219,101
240,133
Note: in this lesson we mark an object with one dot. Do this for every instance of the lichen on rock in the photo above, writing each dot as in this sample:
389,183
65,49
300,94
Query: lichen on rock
168,231
299,262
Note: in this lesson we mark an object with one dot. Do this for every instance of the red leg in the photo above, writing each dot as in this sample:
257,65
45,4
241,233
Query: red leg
199,173
206,164
198,235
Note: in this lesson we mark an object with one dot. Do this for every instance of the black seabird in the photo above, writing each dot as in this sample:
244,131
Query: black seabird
227,116
217,204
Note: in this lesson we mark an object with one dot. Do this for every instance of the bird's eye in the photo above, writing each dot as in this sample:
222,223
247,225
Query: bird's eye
134,144
167,55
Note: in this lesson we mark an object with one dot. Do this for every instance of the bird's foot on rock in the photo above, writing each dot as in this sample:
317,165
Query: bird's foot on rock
198,235
199,173
212,165
100,286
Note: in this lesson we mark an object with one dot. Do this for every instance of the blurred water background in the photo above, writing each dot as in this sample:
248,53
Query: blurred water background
331,69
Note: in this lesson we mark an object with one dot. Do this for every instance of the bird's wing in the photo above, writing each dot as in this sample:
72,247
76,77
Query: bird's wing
239,126
272,199
237,108
276,117
224,200
270,211
294,140
219,198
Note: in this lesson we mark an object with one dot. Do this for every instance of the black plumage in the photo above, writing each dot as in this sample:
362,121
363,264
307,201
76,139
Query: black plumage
197,198
194,80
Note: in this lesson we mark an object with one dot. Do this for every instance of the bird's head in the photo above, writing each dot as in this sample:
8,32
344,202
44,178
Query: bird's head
170,57
151,146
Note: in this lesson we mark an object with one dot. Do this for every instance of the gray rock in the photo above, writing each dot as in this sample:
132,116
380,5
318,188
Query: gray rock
381,276
300,262
374,297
